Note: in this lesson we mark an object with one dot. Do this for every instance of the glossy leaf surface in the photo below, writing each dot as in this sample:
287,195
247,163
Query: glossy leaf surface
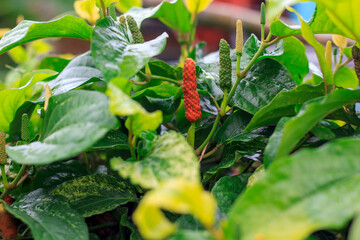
170,156
27,31
293,208
96,194
73,122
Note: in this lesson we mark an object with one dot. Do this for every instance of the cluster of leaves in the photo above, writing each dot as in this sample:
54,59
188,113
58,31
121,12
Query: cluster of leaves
107,156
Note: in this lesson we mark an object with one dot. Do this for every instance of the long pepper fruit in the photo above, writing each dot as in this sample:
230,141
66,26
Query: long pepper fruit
356,56
191,96
134,29
225,65
2,148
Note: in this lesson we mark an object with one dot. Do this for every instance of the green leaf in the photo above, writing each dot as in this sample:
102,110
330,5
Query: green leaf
52,175
96,194
319,50
81,70
284,105
73,122
310,114
139,119
227,190
106,3
290,52
354,233
344,14
115,56
173,14
164,97
190,234
346,78
301,194
274,142
113,140
233,126
54,63
27,31
49,217
320,23
169,157
12,99
124,5
264,81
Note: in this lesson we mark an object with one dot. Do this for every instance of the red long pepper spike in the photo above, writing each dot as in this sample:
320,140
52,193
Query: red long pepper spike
191,96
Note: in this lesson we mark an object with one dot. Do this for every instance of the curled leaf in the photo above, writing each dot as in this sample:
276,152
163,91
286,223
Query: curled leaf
176,195
196,6
87,9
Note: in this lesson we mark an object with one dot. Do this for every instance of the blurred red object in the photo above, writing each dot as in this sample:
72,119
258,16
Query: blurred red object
243,3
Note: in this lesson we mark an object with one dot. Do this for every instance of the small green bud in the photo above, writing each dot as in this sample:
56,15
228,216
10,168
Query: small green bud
263,15
134,29
3,158
356,56
225,65
25,129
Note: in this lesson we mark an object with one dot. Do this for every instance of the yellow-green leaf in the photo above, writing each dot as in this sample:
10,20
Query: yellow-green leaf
87,9
124,106
176,195
106,3
169,157
196,6
124,5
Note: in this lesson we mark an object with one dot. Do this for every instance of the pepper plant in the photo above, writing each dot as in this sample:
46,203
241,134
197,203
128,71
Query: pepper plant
249,143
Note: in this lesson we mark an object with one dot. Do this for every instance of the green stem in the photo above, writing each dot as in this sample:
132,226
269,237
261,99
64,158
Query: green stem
216,123
262,32
103,9
193,31
155,77
4,177
190,137
130,139
86,159
18,177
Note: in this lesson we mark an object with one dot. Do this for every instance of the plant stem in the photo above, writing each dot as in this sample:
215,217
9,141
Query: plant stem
18,177
130,139
103,9
156,77
216,123
190,137
86,159
192,31
4,177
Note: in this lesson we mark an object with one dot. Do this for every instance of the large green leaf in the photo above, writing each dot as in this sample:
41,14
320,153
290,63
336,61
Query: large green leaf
115,56
170,156
320,52
174,14
12,99
301,194
124,5
310,114
227,190
264,81
96,194
79,71
164,97
27,31
52,175
345,15
49,217
320,23
73,122
284,105
290,52
138,118
341,13
233,126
